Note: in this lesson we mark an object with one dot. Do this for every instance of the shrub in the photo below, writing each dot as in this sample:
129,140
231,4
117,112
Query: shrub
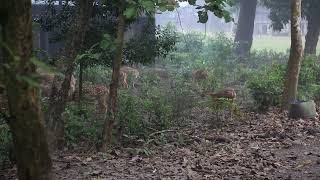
309,87
150,44
5,141
129,114
267,83
264,57
80,125
266,86
97,74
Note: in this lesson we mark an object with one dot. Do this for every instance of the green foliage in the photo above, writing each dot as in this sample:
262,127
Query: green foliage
98,74
145,47
5,141
264,57
280,11
267,85
80,126
309,79
135,7
129,114
158,109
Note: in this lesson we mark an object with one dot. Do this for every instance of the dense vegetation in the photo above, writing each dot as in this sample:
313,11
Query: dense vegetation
107,90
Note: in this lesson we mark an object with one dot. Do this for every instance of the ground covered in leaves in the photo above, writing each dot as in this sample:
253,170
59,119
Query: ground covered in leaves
259,146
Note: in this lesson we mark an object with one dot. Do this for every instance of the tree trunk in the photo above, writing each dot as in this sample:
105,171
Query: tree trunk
294,64
313,33
80,84
245,28
58,100
116,63
26,120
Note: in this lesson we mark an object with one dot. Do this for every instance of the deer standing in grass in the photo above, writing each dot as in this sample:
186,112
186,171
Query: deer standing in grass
125,71
227,93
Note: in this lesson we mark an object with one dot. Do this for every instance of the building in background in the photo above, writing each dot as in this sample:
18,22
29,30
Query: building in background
186,18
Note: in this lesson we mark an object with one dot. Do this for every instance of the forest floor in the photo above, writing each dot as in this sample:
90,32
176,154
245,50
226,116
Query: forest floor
260,146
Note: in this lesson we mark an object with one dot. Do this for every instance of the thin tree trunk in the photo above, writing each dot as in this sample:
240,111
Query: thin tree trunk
58,100
294,64
26,120
80,84
112,100
245,28
313,33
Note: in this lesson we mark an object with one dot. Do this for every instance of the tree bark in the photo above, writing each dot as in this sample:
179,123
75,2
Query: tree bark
245,28
313,33
116,63
26,120
80,84
58,99
294,64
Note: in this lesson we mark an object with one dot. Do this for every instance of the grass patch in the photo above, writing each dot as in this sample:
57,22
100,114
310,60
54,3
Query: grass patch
276,43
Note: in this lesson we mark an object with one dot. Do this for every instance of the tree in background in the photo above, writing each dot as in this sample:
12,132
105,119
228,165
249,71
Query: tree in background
58,98
17,71
294,64
312,14
280,16
132,9
245,28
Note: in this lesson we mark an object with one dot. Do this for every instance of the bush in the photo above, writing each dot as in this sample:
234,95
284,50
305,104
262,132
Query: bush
81,126
265,57
309,79
266,86
129,114
267,83
97,74
150,44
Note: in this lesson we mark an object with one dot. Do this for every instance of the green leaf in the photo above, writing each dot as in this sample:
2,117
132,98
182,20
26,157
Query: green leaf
44,66
27,79
131,12
95,56
203,16
171,7
192,2
148,5
162,7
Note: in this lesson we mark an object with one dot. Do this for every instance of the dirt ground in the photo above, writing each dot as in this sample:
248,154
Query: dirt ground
259,146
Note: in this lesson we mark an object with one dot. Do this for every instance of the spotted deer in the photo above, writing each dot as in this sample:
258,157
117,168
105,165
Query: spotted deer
200,74
123,79
227,93
129,71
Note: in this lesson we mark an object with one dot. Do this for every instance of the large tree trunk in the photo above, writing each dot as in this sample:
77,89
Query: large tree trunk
245,28
26,121
312,36
294,64
58,99
116,63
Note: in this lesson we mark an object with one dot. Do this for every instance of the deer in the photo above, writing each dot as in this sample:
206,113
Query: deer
72,89
200,74
159,72
47,80
129,71
101,94
227,93
123,79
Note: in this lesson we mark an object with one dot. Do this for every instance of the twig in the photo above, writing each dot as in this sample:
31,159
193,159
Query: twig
160,132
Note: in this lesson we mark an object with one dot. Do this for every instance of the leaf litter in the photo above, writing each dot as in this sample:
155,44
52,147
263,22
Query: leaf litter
256,146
